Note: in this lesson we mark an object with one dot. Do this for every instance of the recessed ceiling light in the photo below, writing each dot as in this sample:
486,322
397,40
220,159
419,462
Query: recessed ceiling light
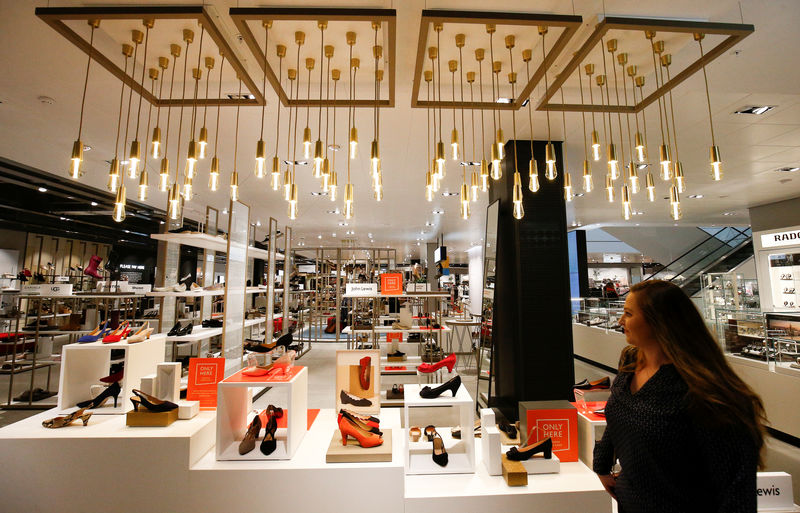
94,203
42,189
335,211
333,234
369,235
243,96
696,196
371,240
469,163
334,147
86,147
755,109
63,218
642,166
503,100
258,223
446,194
342,223
729,213
578,195
123,162
438,212
788,169
638,213
296,162
319,193
319,236
429,224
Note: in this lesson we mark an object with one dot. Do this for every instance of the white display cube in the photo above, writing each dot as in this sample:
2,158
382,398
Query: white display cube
235,401
490,443
461,453
82,365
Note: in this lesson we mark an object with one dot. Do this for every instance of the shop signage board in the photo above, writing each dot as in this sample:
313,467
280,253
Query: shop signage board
361,289
555,419
780,239
774,491
612,258
391,284
204,374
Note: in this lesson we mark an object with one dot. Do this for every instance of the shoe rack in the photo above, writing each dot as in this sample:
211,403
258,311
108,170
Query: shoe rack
57,258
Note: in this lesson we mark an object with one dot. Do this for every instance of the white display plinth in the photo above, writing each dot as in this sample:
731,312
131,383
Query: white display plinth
235,401
540,465
490,443
82,365
461,453
590,430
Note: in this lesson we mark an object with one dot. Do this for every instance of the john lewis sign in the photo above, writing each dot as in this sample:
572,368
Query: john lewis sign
781,239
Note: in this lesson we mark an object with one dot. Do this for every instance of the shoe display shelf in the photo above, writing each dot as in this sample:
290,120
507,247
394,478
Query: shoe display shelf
461,452
235,402
210,242
188,293
82,365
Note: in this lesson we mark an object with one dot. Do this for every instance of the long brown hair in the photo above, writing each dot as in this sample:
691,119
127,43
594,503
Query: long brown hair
714,387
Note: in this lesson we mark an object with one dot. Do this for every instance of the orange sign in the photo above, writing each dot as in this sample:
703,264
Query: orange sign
204,374
391,283
555,419
394,336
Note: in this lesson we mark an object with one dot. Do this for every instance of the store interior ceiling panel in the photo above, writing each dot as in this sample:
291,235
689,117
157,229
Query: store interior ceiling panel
41,93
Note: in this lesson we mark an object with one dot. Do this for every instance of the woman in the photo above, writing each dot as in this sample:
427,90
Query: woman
687,431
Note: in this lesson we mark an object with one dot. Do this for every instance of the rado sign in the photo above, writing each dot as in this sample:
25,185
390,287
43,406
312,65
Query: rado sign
780,239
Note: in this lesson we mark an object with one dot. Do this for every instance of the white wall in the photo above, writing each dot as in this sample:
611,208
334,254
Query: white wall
475,279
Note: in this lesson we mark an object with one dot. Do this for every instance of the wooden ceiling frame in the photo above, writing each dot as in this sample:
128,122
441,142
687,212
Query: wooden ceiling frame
242,15
735,32
57,16
569,23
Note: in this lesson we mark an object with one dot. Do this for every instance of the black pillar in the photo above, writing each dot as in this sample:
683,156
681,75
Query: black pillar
583,261
532,326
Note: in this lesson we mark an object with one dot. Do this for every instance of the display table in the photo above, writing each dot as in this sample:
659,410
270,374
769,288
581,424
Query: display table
107,466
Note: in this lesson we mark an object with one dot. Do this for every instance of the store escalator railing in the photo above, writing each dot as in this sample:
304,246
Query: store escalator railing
721,251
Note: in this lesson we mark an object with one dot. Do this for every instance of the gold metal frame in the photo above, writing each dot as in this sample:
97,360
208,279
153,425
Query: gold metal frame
56,17
242,15
735,32
569,23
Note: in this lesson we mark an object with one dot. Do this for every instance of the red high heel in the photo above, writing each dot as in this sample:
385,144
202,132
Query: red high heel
448,362
118,334
365,438
364,373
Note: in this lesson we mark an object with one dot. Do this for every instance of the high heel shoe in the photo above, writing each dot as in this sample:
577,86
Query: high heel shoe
95,334
365,366
544,446
365,438
141,335
175,329
448,362
438,452
151,403
112,391
117,371
118,334
358,422
283,362
248,443
599,384
60,422
431,393
269,444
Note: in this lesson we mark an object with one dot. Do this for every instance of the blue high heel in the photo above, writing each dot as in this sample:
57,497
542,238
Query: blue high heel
100,332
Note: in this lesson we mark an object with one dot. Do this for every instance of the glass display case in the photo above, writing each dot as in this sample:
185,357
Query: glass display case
598,312
728,291
740,332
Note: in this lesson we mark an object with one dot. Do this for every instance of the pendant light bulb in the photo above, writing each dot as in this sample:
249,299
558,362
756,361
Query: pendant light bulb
568,192
293,202
353,142
174,202
519,211
275,176
550,160
680,180
332,186
440,155
188,191
119,205
588,182
533,175
633,177
163,175
378,188
454,143
516,196
665,161
613,162
641,155
595,145
155,141
474,186
501,148
287,184
496,173
191,159
261,156
674,203
213,175
202,142
650,186
375,157
716,163
610,193
348,201
428,186
627,210
113,175
235,186
318,158
144,184
307,142
464,197
76,160
133,159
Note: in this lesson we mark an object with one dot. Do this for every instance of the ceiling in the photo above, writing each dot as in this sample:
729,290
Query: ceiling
39,62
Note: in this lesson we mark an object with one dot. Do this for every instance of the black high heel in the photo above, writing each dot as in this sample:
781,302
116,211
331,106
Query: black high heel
112,391
438,452
151,403
431,393
175,330
269,444
544,446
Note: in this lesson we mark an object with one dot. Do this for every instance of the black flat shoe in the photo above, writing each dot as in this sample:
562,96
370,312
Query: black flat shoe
355,401
186,330
431,393
508,429
544,446
599,384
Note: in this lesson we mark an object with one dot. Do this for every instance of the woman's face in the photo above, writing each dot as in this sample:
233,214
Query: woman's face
637,330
